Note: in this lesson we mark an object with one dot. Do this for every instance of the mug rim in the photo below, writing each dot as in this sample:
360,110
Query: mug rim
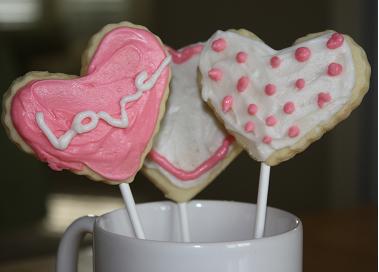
298,227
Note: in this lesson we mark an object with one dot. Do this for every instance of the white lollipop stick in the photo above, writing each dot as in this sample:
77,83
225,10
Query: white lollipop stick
260,217
131,208
184,222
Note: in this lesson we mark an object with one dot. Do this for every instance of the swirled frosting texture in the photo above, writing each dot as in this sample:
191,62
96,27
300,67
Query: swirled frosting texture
113,153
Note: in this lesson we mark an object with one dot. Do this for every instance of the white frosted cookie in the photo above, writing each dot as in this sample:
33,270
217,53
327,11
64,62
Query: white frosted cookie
191,148
276,103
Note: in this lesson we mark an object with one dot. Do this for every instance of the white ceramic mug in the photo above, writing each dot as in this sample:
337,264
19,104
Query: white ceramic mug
221,234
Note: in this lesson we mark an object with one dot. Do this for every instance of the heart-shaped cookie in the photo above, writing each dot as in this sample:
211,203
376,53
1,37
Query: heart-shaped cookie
102,123
276,103
191,148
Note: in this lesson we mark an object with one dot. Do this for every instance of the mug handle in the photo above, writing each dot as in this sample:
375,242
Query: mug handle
67,258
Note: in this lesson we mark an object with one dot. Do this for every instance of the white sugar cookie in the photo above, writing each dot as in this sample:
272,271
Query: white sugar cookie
276,103
191,148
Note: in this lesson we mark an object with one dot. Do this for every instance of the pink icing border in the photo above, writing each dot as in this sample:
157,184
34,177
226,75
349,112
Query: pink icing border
219,155
185,54
179,57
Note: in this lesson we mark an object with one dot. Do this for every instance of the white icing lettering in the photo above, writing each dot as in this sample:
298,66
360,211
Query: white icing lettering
142,84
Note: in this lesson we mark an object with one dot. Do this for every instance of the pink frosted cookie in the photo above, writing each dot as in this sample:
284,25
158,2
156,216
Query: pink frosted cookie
191,148
100,124
276,103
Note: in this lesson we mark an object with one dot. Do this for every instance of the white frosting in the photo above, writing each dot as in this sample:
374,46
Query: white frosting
307,114
77,127
189,133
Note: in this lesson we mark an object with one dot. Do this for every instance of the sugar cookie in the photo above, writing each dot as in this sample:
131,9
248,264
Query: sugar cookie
191,148
276,103
100,124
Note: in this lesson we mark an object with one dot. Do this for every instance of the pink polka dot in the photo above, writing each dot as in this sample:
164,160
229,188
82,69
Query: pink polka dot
227,103
267,139
215,74
270,89
242,83
302,54
293,131
252,109
335,41
289,107
249,126
219,45
271,121
275,62
322,98
300,83
241,57
334,69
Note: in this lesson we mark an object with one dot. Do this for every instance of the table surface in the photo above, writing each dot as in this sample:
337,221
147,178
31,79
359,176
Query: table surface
333,241
341,240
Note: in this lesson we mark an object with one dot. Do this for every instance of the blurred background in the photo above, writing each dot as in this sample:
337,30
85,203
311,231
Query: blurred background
332,186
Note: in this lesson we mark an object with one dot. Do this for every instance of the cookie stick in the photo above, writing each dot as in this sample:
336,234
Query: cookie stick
112,153
132,211
183,217
182,161
143,85
260,213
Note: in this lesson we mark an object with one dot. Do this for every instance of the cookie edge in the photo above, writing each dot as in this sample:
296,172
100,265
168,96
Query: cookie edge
87,55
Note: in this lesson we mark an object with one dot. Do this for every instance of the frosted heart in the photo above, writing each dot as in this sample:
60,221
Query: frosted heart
191,148
101,123
278,102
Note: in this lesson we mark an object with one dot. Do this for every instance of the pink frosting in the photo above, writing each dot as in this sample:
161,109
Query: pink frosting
271,121
243,83
185,54
241,57
267,139
334,69
335,41
215,74
205,166
113,153
249,126
270,89
227,103
289,107
293,131
322,98
275,62
219,45
300,83
252,109
302,54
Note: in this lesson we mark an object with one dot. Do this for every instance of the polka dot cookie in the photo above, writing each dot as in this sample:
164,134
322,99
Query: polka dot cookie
276,103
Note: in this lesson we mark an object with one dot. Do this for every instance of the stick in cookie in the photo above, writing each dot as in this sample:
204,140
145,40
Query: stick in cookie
100,124
276,103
